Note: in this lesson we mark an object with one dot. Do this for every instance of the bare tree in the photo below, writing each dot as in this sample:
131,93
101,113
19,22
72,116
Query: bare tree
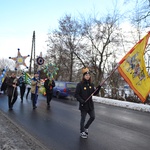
55,53
89,43
7,63
103,36
141,12
65,42
140,21
144,7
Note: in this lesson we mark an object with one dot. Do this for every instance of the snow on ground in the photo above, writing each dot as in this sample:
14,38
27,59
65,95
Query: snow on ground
14,137
125,104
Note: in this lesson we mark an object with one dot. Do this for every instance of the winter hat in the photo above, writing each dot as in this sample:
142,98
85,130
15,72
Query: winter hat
85,71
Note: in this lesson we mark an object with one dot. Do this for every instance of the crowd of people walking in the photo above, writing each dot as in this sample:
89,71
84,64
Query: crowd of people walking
12,85
85,89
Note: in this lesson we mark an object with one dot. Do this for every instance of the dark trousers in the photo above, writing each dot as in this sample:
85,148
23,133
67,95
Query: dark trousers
49,97
34,98
11,100
22,91
83,117
28,90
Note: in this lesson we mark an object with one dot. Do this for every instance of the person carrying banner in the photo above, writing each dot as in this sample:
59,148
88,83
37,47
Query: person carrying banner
83,91
12,92
35,84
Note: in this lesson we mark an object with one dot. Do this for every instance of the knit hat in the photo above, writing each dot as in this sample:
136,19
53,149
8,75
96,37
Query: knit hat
85,71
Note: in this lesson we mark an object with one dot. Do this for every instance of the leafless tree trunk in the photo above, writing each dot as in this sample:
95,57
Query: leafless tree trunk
68,37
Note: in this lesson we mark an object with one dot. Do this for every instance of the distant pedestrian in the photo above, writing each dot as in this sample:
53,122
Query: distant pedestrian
35,84
49,84
4,85
22,86
84,89
12,92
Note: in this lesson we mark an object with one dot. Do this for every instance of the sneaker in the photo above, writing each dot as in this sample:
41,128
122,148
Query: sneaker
34,107
83,135
86,131
48,106
10,108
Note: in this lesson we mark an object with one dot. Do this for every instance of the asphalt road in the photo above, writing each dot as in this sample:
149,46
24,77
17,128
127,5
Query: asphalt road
114,128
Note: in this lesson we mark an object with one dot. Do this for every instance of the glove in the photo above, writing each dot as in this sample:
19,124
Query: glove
82,101
98,87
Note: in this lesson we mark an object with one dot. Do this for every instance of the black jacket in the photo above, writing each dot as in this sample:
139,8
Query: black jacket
83,90
10,88
49,84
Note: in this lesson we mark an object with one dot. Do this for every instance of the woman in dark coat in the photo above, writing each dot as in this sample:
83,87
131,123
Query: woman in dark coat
12,92
84,89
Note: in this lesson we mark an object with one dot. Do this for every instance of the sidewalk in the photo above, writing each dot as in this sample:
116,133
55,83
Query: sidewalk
13,137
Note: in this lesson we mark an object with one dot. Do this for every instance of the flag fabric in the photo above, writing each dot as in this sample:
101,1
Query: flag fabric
27,78
133,69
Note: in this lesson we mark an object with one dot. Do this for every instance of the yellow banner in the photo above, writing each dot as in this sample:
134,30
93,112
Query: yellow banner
132,68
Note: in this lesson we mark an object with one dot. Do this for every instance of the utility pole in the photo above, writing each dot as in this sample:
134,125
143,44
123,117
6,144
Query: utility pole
32,58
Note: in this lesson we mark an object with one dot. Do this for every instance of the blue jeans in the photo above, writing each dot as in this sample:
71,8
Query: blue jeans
34,98
83,117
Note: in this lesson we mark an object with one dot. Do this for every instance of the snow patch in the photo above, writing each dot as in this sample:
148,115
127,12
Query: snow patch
125,104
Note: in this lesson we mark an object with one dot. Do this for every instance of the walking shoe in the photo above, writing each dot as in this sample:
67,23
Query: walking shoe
83,135
34,107
10,108
86,131
48,106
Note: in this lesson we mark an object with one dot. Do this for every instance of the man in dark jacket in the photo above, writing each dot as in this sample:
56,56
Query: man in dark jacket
12,92
49,84
84,90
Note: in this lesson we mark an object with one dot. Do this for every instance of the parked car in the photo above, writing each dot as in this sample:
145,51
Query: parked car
64,89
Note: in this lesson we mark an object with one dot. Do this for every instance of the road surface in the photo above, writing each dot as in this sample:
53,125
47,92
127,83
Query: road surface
114,128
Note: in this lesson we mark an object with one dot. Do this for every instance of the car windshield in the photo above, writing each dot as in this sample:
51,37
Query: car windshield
60,84
71,85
